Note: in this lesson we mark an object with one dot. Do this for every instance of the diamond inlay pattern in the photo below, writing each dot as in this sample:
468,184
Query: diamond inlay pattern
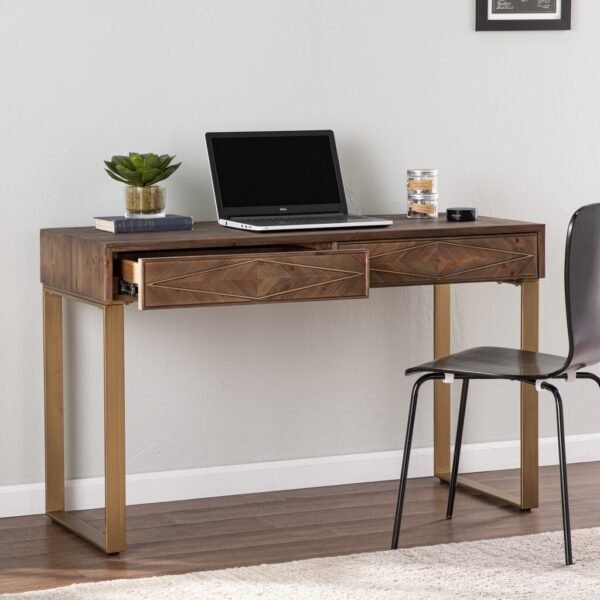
268,277
255,279
451,260
442,259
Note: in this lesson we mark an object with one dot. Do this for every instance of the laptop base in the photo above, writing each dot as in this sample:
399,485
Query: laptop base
298,222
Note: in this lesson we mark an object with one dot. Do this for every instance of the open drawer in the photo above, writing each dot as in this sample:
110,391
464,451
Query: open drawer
254,277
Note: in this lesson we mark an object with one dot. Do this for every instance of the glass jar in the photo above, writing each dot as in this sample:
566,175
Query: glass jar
145,202
422,206
422,181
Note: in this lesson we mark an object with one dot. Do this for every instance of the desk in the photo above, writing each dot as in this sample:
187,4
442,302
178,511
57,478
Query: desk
212,265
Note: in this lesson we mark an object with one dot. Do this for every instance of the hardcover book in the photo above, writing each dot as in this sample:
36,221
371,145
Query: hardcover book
122,224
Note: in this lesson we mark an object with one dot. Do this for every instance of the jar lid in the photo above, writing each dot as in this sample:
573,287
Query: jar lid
427,196
422,172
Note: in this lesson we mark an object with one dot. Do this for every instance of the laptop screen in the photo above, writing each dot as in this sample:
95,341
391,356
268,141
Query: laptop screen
275,173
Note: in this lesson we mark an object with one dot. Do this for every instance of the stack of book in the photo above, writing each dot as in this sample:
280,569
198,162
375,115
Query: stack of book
126,225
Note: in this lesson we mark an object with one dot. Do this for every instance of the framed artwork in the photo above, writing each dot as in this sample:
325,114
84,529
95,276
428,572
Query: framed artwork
523,15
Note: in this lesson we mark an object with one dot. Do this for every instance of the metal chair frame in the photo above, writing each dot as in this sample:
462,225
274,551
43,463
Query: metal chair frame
564,491
582,293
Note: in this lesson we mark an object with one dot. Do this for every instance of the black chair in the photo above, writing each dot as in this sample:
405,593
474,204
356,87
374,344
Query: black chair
582,293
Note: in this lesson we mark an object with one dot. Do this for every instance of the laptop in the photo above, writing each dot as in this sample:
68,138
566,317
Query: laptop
279,181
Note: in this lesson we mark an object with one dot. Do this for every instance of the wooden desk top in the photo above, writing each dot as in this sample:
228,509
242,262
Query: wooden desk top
81,260
209,234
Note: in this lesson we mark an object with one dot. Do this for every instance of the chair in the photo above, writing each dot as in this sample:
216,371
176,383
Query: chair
582,293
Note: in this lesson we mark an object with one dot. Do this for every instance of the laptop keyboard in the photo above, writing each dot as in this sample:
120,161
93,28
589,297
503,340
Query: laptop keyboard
299,219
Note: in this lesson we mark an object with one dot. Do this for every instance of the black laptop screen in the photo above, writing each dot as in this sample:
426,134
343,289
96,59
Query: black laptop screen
276,171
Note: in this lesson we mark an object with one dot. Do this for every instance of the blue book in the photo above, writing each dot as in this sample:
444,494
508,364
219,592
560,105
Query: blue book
125,225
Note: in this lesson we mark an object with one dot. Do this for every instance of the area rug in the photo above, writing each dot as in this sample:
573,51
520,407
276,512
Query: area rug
509,568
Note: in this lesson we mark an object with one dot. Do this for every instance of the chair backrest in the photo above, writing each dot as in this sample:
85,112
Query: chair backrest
582,287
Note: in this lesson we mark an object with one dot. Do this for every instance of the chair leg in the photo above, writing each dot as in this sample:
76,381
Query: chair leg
457,446
406,456
562,456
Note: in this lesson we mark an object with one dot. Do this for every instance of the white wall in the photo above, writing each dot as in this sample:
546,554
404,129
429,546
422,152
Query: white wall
512,121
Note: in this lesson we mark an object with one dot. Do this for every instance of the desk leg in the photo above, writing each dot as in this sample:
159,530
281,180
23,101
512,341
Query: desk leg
113,538
528,497
529,398
53,403
441,390
114,428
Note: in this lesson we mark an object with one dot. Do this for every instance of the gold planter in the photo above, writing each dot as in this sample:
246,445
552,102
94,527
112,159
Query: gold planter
145,202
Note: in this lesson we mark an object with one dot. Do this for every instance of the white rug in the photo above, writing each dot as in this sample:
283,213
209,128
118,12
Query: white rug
509,568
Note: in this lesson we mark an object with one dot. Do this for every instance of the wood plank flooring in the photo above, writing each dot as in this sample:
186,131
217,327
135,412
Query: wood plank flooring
215,533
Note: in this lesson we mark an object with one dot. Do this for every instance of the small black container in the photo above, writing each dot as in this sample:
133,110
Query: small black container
461,213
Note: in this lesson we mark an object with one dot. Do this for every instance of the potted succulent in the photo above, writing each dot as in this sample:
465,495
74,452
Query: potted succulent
140,173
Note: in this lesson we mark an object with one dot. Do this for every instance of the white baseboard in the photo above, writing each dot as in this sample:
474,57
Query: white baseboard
143,488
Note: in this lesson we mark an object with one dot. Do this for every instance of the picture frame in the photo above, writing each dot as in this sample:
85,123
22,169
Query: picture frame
523,15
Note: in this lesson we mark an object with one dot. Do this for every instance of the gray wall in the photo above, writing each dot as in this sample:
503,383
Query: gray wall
512,121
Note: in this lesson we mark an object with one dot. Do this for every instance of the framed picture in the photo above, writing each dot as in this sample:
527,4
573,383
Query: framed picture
522,15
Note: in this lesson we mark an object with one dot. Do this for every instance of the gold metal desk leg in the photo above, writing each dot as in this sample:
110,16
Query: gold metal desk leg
529,398
53,403
113,539
114,428
528,497
441,390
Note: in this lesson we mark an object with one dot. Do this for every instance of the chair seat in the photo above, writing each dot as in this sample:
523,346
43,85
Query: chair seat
491,361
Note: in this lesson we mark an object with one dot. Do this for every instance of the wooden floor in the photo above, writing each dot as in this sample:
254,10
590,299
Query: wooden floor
214,533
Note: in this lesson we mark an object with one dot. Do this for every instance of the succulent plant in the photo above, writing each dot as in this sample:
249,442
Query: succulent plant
141,170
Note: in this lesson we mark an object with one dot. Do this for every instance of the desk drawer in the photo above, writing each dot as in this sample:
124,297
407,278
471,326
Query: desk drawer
451,260
215,279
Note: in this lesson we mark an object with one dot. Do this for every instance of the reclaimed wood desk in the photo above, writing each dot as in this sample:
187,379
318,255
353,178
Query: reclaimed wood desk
212,265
